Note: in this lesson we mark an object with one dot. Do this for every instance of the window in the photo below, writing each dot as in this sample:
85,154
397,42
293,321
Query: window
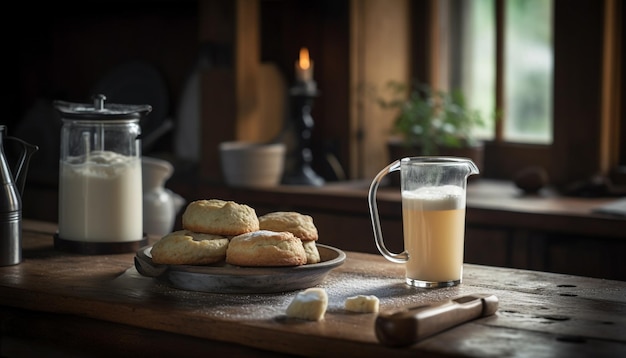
528,57
527,53
569,53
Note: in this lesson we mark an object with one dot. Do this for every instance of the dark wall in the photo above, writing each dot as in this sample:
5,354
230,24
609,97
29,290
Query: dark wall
65,50
141,51
324,28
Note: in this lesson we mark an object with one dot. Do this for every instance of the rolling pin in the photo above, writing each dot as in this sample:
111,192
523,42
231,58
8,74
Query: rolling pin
413,324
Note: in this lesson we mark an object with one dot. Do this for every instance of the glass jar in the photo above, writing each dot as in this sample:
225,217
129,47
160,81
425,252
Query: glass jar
100,184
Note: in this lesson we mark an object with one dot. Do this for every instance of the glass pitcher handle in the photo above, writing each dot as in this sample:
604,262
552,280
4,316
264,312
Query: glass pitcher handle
378,235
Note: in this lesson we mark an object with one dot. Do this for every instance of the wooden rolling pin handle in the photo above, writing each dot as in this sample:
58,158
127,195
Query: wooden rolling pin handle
411,325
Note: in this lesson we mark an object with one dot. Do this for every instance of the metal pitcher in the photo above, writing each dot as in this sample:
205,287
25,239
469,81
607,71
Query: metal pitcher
11,200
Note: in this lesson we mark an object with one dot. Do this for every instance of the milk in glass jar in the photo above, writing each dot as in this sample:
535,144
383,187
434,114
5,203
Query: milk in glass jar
100,186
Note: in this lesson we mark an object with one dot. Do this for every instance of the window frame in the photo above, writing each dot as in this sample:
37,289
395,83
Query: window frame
580,73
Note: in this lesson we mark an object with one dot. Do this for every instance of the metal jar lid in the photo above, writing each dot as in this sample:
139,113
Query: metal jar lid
101,110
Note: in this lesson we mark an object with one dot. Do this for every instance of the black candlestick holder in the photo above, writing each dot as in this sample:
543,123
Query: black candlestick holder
300,171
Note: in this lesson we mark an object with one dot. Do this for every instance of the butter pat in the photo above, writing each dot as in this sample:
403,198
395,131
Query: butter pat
362,304
309,304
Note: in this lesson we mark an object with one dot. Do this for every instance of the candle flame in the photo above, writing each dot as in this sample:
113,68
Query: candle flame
305,62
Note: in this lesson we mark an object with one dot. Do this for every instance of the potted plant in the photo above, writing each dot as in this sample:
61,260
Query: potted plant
432,122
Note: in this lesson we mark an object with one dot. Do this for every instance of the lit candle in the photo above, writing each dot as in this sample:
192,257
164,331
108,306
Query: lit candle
304,66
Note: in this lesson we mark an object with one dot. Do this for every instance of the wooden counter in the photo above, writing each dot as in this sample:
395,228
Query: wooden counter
68,304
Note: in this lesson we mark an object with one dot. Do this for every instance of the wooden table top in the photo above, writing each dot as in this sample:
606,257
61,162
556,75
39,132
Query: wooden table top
540,314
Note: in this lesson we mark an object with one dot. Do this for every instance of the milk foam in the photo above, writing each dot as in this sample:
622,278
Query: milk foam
446,197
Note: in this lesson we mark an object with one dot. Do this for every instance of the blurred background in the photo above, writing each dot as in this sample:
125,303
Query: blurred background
546,74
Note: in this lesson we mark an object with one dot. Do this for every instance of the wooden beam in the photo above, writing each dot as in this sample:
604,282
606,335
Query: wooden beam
611,90
229,87
375,60
577,90
500,11
247,63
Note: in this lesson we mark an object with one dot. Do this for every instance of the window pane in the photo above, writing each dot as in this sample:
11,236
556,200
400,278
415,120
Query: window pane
528,64
475,72
528,71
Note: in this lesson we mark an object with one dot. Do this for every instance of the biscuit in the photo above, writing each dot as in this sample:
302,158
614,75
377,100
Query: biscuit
300,225
184,247
266,248
219,217
312,254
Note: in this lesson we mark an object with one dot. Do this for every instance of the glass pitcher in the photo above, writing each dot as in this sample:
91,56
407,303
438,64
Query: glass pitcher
100,176
433,218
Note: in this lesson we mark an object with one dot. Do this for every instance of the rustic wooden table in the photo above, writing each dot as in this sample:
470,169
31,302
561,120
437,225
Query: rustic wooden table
64,304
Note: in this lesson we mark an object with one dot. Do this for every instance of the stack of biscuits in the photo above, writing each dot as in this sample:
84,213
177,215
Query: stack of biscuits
216,230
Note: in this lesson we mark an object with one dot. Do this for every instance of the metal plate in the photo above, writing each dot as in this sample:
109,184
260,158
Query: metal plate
225,278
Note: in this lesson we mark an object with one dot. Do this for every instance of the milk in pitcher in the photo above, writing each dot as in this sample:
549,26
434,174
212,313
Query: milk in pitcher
100,198
434,225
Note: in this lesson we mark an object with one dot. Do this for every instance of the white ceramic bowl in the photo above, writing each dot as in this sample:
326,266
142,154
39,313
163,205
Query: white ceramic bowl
247,164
